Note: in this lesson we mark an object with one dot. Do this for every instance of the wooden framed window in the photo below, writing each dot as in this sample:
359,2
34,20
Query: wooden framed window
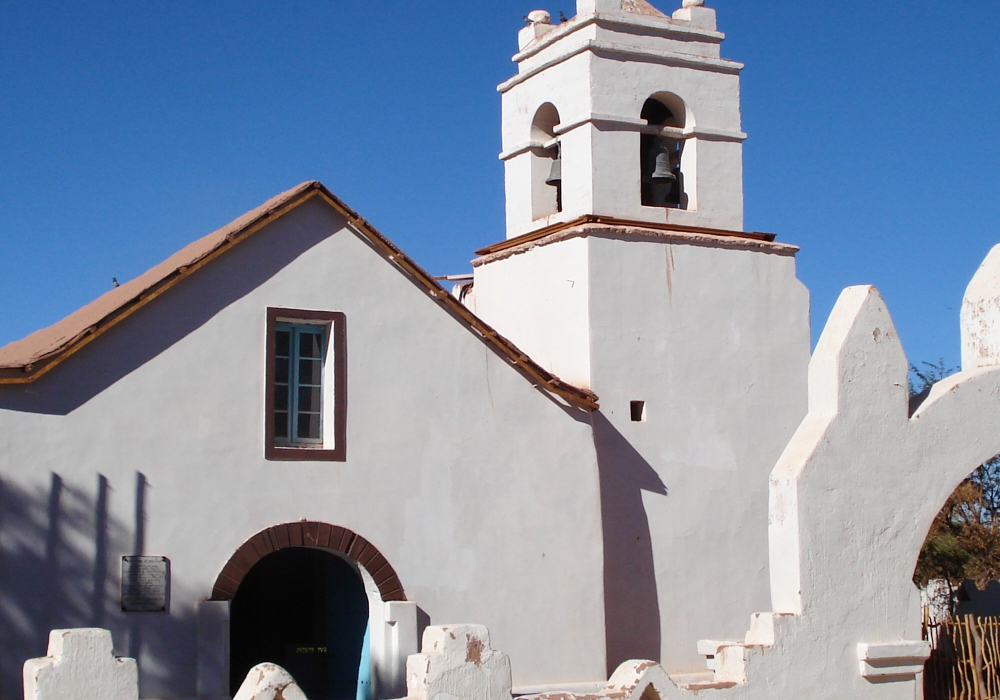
305,402
299,353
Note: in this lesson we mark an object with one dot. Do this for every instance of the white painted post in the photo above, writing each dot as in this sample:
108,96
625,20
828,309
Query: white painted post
81,665
399,643
981,316
457,662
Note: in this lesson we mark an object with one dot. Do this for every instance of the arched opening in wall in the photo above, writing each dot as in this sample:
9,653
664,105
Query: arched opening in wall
963,543
305,610
957,572
661,150
546,163
321,601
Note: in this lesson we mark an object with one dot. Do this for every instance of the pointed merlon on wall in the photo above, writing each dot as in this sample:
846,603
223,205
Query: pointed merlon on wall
981,315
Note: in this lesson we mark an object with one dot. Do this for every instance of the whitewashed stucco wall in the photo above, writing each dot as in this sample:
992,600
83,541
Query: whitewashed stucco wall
851,500
480,491
541,301
714,338
715,341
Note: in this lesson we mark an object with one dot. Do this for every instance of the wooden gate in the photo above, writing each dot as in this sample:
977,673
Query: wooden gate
965,659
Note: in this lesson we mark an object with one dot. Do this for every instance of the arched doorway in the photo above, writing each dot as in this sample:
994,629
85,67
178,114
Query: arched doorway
305,610
316,599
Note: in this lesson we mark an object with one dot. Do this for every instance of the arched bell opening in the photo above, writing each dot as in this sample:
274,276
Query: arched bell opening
323,602
546,163
661,151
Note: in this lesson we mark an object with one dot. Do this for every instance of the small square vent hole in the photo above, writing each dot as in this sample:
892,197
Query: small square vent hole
638,411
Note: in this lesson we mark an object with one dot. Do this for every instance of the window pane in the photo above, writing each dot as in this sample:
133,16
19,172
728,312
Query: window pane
281,370
309,398
280,425
297,382
310,372
282,342
308,426
309,344
281,398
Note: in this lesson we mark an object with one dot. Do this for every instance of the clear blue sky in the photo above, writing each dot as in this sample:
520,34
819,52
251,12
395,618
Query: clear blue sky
129,129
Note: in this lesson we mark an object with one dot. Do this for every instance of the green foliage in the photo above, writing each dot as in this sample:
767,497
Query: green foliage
964,539
942,556
924,377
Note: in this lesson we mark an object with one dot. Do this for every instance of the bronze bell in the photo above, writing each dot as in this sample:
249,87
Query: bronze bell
555,173
663,172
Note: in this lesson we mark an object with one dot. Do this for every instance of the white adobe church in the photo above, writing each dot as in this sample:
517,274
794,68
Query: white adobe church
289,443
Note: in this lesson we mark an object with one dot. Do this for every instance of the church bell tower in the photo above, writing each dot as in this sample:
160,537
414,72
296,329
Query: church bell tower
626,113
626,270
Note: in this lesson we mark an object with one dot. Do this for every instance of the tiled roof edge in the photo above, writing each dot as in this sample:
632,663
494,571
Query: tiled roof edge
25,360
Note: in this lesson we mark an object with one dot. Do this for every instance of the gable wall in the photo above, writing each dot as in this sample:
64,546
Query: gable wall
480,491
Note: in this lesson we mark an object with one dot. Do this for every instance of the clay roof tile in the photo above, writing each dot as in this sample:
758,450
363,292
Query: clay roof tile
25,360
48,341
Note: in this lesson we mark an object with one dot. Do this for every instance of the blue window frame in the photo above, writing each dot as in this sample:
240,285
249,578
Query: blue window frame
299,354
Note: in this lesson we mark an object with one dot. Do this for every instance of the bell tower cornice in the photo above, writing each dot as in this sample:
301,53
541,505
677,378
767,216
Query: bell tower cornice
554,50
536,39
608,24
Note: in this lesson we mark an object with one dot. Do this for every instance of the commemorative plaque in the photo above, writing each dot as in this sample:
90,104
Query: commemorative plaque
145,584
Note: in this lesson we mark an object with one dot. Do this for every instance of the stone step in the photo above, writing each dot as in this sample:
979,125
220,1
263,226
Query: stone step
684,680
709,648
712,685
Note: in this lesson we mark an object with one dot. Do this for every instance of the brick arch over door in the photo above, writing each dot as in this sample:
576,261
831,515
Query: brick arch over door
308,534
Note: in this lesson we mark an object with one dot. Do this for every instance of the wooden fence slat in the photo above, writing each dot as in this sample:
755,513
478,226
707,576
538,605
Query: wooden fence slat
965,659
986,629
989,657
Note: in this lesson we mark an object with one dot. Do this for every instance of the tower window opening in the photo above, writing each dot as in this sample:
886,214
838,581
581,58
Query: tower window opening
660,157
546,164
638,411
